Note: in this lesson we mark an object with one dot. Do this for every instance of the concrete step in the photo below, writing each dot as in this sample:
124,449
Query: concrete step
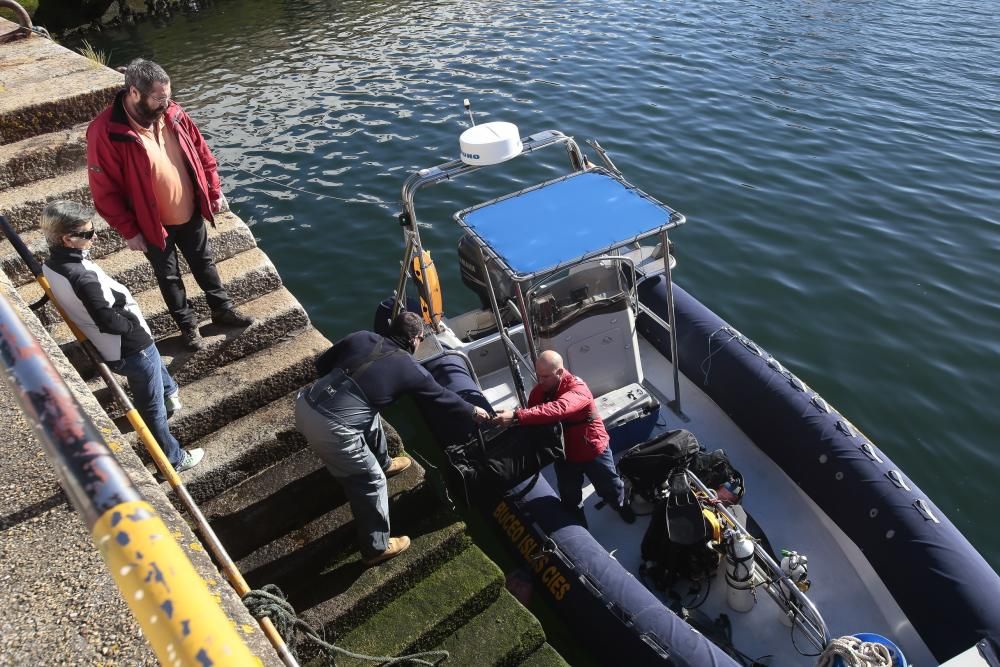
23,204
37,77
505,633
345,594
243,386
247,276
430,612
243,448
227,238
300,555
545,656
43,156
278,316
298,480
283,498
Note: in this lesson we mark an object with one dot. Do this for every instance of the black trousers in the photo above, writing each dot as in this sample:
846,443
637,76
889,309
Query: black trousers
191,239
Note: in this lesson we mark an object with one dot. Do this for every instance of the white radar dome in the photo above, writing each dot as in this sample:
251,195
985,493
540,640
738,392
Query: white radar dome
490,143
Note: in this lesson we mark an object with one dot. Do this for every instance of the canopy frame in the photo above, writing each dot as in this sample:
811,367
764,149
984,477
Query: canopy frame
413,249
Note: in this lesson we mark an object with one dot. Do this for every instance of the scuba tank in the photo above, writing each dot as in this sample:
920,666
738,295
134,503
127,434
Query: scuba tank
796,567
740,571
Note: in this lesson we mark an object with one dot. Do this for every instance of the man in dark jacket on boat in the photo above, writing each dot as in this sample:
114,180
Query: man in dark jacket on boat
155,181
339,416
562,397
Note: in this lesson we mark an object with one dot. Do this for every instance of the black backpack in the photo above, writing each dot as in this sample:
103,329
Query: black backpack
648,465
676,543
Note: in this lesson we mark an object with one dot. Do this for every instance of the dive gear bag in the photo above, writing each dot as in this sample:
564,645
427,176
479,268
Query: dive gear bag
489,466
648,465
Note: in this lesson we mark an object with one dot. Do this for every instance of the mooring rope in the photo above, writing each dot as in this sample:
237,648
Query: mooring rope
855,653
270,601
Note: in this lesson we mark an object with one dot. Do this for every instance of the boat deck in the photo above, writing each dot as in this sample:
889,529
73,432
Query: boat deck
845,588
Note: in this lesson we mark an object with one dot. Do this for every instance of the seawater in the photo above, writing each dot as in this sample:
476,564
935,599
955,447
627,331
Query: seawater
837,161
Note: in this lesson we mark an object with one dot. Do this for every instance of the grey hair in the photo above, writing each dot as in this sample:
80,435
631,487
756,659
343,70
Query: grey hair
142,74
64,217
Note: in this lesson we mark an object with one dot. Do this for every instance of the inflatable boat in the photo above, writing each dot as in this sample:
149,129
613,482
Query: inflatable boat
813,539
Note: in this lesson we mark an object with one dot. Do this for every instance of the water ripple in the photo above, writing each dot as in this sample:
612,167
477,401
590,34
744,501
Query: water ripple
838,164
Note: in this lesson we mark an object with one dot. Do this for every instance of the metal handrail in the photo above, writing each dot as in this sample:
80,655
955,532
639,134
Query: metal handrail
446,172
171,602
25,28
455,168
215,546
804,613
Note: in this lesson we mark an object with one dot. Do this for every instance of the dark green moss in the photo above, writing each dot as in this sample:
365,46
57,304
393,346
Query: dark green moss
546,656
432,610
52,116
505,633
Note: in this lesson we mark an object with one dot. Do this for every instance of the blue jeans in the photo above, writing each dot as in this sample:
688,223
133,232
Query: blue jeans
150,382
601,473
357,458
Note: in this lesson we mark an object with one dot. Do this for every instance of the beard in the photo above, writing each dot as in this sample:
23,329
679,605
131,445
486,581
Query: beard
146,114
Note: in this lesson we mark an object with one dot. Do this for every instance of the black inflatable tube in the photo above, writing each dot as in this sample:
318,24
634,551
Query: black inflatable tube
611,612
597,612
943,585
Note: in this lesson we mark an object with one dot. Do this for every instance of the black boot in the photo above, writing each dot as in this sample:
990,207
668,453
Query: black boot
578,514
626,513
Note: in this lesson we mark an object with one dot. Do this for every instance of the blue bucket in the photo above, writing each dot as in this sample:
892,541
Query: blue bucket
897,656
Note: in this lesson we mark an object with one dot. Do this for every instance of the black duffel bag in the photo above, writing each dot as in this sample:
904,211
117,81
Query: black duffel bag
490,467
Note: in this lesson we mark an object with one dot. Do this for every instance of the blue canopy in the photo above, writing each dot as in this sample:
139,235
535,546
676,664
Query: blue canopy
556,223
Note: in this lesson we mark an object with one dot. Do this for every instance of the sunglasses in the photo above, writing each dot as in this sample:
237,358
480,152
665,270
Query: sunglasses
89,234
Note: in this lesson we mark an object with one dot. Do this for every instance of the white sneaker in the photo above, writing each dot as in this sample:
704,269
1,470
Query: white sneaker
173,403
191,458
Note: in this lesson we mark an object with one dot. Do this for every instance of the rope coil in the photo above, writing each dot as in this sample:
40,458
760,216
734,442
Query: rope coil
269,601
855,653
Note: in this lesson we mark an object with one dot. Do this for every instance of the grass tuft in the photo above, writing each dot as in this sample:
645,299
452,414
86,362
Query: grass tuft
100,57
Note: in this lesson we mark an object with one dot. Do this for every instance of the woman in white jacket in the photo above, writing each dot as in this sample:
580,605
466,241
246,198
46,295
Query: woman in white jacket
108,315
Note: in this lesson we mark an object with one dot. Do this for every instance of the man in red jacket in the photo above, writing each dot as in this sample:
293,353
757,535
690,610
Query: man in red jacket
154,180
562,397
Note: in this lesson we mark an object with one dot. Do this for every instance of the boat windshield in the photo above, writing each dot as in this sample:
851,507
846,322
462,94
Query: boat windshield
565,221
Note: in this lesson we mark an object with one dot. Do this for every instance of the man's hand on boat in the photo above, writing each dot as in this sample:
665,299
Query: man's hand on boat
480,415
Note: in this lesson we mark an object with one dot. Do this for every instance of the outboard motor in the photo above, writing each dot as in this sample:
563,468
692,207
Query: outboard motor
472,275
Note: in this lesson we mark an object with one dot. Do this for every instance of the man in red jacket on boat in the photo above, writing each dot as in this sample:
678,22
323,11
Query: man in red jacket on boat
155,181
562,397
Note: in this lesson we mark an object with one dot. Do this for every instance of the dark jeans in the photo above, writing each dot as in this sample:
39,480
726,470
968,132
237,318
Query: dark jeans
150,382
191,239
600,471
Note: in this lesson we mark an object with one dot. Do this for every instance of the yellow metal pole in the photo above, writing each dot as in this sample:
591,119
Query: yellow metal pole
180,618
229,569
175,609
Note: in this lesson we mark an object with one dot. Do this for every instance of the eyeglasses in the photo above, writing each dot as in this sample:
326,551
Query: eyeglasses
89,234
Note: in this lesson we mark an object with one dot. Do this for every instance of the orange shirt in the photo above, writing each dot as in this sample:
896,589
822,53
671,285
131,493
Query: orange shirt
171,181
